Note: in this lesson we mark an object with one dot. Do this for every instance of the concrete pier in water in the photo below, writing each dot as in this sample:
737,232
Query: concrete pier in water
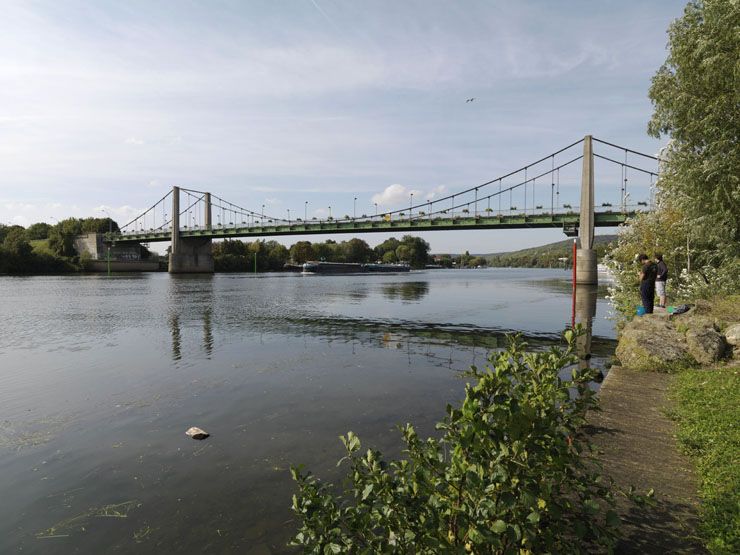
189,255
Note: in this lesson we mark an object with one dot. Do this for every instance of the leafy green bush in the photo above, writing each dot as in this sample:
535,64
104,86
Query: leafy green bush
510,473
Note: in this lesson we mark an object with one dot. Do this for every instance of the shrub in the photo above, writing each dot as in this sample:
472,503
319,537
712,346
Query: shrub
509,474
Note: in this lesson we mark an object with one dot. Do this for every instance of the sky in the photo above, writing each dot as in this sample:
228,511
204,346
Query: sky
104,106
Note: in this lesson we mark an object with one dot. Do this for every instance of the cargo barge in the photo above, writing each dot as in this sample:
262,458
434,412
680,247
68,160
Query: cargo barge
352,268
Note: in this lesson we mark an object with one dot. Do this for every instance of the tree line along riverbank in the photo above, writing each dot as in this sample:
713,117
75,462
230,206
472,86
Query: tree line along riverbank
45,249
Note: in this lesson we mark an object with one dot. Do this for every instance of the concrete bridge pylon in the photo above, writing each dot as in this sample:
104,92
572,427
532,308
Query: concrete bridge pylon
586,272
190,255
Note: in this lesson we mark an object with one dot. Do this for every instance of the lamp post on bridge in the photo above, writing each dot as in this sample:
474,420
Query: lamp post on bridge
330,212
354,209
305,212
376,208
288,216
262,217
411,203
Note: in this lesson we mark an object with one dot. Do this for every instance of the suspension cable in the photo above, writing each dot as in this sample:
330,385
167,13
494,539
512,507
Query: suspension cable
628,150
627,165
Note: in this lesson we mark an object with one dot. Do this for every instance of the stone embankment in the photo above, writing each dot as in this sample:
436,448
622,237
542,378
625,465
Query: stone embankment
637,438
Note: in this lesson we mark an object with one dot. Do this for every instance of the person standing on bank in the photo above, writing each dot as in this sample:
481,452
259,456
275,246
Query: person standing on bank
647,282
660,279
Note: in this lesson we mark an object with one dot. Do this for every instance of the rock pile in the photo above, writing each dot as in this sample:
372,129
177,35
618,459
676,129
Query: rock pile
661,342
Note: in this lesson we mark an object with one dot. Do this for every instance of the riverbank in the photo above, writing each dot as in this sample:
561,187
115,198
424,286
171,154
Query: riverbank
638,449
669,423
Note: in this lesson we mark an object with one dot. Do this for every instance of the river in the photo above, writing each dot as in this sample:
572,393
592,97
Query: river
102,376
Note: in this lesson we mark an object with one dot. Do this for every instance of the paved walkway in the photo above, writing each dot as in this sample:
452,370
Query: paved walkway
639,449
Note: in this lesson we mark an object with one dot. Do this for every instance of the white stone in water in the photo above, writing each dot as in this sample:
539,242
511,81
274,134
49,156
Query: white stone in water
197,433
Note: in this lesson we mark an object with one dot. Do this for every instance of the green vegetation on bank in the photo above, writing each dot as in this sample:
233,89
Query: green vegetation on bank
511,473
696,224
45,249
708,412
271,256
552,255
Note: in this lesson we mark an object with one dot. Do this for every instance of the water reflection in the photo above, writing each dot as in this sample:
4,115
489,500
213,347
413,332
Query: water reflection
276,367
207,333
207,341
406,290
176,334
586,297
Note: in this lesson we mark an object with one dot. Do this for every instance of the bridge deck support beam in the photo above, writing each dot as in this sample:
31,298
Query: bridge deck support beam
586,256
189,255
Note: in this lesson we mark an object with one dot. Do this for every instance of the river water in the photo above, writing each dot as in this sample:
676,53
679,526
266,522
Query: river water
102,376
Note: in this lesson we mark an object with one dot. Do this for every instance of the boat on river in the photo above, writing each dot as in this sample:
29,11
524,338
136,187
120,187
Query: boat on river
313,267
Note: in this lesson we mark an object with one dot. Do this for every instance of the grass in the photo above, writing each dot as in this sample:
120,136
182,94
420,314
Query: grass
726,309
708,413
40,246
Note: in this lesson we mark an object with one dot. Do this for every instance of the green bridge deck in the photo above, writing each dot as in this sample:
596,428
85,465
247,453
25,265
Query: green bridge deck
567,221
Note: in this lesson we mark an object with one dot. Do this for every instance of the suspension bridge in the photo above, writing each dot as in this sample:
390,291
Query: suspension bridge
528,197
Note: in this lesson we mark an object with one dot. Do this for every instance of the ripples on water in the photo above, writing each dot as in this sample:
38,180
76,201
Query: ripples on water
101,377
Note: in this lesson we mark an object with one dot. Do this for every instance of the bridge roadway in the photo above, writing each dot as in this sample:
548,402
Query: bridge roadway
567,221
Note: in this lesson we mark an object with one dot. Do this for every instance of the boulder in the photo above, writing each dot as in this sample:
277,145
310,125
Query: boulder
652,343
705,344
732,335
197,433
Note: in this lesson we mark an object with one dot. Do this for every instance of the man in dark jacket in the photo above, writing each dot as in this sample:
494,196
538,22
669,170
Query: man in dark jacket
660,279
648,272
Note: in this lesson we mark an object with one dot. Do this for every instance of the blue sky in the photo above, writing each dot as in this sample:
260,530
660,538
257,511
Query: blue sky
106,105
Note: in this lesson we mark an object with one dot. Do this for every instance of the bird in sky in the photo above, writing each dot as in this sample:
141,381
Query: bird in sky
470,100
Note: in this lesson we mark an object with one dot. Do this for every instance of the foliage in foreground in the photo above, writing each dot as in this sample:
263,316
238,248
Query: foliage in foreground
509,474
708,411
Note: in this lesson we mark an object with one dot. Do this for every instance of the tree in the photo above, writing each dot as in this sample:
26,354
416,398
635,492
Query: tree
16,254
418,250
62,236
386,246
38,231
696,95
277,255
356,250
403,253
302,251
16,244
326,251
389,257
6,229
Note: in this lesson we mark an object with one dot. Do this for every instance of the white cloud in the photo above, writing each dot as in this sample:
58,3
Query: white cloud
438,191
134,141
395,194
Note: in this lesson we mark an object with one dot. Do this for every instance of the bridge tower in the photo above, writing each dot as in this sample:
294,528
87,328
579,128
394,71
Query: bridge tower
586,255
190,255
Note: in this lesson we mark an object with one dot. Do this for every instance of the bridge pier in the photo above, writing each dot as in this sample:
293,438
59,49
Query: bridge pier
586,272
189,255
